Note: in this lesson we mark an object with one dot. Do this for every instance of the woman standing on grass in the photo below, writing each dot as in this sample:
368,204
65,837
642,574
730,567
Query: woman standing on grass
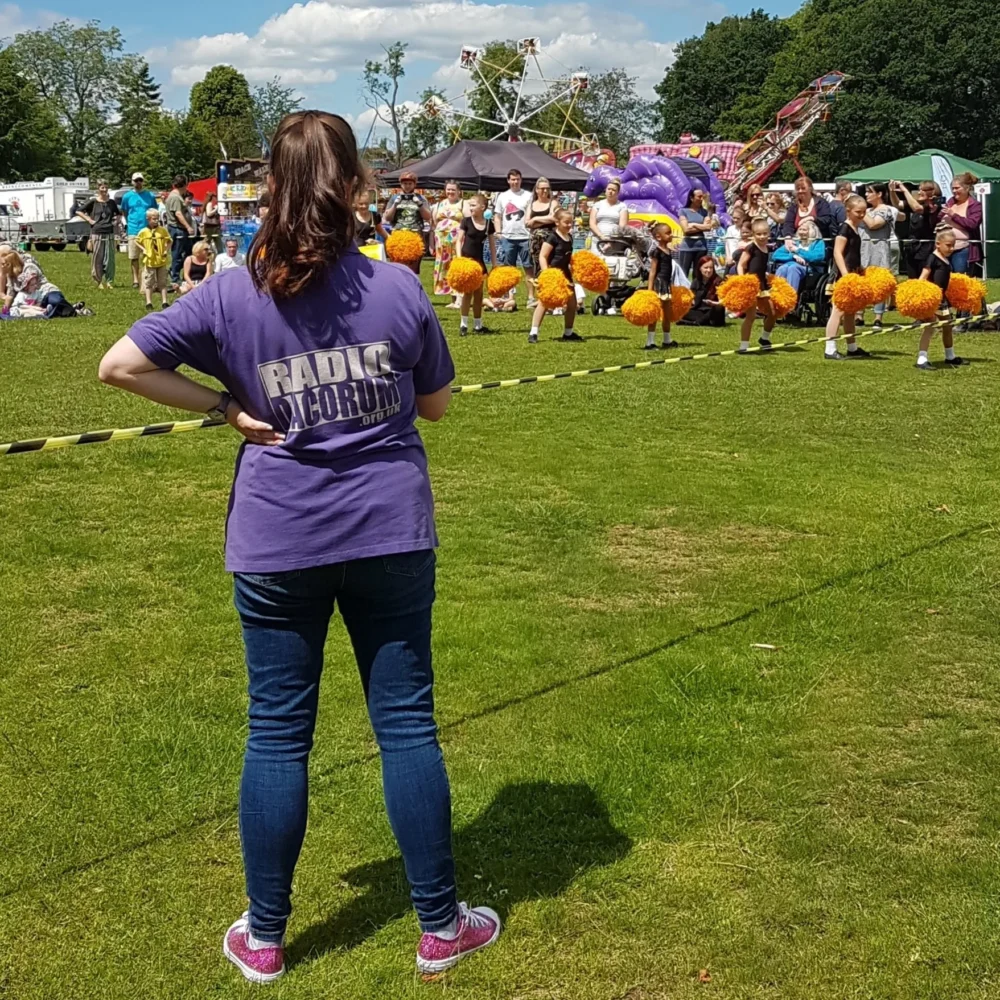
101,212
447,216
327,359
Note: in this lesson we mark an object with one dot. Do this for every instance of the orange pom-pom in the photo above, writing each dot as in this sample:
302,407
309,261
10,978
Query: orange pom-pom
851,294
739,292
404,247
882,284
590,271
643,308
784,298
502,280
552,289
465,275
681,300
918,299
966,294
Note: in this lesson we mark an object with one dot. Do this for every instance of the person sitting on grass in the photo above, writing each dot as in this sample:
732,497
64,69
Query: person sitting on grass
154,243
231,260
23,281
197,267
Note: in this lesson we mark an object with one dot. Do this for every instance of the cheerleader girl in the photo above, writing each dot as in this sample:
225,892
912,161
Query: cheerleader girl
754,261
664,271
473,233
557,251
938,270
847,260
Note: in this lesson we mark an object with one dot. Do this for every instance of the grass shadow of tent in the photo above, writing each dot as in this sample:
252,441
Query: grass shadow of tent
531,842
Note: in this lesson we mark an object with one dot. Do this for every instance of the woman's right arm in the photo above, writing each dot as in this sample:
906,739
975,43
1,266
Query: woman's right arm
126,367
187,268
839,245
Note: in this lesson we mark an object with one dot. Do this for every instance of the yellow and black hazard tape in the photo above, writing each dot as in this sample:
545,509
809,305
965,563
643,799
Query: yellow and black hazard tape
99,437
182,426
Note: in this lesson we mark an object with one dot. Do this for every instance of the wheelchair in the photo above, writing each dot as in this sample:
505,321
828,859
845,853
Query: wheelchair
814,303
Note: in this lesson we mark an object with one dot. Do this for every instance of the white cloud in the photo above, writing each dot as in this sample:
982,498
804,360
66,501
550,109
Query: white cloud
311,44
14,20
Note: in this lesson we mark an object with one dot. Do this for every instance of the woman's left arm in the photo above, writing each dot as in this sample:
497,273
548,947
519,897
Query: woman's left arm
623,217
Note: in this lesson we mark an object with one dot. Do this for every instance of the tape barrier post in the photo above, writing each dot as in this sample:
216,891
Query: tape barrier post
182,426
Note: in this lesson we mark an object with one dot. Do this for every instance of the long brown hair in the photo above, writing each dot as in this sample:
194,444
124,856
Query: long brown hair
316,174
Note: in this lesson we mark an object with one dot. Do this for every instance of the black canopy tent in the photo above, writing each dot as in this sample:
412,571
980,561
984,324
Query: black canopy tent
483,166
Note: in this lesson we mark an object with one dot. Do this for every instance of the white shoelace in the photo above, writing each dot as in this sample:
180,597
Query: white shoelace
471,918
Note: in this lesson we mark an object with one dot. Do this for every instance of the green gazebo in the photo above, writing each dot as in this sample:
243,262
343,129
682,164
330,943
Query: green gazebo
941,166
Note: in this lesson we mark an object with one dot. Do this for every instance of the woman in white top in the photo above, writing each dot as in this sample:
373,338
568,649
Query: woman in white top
876,232
609,212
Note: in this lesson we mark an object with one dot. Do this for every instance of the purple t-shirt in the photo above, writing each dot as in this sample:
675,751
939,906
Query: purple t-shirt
337,369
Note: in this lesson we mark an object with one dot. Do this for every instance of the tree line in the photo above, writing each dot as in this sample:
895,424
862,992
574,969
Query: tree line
924,74
74,103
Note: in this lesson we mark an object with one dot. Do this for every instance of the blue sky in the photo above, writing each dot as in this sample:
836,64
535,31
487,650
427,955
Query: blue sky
320,46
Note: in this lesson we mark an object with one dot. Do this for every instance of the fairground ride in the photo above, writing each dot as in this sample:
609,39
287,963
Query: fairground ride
516,121
771,146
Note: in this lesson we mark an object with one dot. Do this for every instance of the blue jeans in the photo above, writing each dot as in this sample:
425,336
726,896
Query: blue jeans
386,605
179,251
56,306
514,253
960,261
793,272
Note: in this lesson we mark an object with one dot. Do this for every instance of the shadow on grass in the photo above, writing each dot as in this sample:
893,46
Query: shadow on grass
531,842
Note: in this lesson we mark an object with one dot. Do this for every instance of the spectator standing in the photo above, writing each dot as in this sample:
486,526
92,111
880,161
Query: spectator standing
447,216
965,216
876,232
925,214
695,223
331,506
180,225
154,243
609,213
135,204
211,225
807,206
838,211
541,225
732,238
510,214
230,259
408,210
101,212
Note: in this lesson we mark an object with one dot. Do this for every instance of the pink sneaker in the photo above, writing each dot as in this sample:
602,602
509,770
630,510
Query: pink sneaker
259,965
477,929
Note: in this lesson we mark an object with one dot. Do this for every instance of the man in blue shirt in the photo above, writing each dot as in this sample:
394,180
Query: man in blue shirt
135,204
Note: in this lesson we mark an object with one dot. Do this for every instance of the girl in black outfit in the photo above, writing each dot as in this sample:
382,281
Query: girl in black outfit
938,271
367,222
664,272
754,261
557,251
847,260
707,310
923,211
473,232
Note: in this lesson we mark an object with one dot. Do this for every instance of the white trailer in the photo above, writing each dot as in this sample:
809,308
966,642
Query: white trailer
43,201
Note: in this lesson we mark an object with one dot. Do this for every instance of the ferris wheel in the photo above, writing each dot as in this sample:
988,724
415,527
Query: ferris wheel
515,122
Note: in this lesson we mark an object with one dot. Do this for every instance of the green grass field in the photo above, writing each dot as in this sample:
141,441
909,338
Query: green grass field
640,788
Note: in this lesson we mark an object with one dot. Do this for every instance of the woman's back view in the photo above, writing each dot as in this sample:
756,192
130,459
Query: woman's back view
327,358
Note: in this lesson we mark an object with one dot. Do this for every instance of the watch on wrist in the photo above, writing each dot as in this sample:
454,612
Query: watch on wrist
219,410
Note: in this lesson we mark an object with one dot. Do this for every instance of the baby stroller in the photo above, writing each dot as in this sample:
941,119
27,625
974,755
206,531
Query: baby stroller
625,251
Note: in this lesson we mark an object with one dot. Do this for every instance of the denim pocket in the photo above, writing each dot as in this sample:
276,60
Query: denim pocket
270,579
412,564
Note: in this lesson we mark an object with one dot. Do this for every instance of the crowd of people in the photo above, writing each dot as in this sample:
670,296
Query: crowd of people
807,235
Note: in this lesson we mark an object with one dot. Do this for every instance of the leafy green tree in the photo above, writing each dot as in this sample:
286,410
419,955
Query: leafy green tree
613,110
500,70
32,142
731,59
171,143
80,72
222,102
271,102
381,83
429,130
139,102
